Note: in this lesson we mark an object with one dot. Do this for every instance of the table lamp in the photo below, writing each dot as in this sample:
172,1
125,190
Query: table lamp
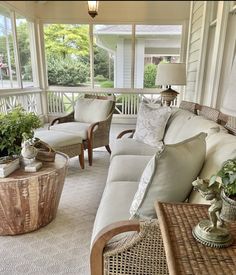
170,74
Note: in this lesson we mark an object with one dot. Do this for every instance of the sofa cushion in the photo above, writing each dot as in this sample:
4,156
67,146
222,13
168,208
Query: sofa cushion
184,124
175,124
115,203
92,110
130,146
168,176
151,123
77,128
220,147
127,167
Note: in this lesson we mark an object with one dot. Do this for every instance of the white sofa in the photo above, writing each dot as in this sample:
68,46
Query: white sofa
130,157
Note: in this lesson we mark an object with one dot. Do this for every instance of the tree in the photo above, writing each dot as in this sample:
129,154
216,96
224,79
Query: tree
67,40
101,63
150,72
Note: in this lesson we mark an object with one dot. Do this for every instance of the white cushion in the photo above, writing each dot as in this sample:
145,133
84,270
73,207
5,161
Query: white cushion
130,146
220,147
151,123
175,124
168,177
115,203
92,110
57,139
186,125
77,128
127,167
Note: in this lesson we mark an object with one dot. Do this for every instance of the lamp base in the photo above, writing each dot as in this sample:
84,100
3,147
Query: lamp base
168,96
217,237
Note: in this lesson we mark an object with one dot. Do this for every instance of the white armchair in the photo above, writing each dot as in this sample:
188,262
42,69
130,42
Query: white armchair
90,120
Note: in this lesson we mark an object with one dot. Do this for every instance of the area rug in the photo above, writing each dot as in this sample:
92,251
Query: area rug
62,247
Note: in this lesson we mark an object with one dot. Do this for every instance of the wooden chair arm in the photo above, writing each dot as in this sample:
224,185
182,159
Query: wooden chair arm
63,119
96,256
126,132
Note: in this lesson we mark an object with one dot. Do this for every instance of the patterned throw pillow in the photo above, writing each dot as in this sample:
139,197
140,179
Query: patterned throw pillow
169,175
151,123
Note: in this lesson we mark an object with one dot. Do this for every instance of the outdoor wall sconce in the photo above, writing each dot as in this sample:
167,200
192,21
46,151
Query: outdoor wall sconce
93,8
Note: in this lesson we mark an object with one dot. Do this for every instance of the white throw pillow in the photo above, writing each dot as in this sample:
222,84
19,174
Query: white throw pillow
151,123
169,175
92,110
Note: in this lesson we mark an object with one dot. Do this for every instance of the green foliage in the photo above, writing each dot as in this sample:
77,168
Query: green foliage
12,127
102,61
66,40
107,84
100,78
150,72
226,177
66,72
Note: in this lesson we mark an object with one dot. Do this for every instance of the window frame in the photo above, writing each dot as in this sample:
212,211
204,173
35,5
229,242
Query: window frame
33,53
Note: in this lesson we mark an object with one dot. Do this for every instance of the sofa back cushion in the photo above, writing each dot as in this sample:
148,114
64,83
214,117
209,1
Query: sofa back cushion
168,176
151,123
183,124
219,148
92,110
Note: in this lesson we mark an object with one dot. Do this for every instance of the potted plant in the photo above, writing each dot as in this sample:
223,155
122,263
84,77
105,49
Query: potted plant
13,126
226,177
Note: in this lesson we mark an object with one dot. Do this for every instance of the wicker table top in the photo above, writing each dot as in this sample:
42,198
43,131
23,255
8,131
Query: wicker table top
184,254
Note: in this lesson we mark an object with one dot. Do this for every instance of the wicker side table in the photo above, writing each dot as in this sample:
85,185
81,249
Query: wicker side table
184,254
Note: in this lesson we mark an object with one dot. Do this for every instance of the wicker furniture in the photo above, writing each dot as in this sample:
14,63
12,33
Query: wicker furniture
97,133
184,254
30,200
69,144
131,157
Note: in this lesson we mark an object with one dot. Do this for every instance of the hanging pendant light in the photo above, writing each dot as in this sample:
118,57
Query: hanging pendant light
93,8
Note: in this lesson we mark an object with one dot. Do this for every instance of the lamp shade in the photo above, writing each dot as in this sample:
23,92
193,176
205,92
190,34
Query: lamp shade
171,74
229,101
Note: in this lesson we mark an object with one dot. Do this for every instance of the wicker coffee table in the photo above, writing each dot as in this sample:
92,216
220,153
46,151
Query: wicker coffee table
184,254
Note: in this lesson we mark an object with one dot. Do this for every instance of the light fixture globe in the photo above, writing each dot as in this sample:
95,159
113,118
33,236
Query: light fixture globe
93,8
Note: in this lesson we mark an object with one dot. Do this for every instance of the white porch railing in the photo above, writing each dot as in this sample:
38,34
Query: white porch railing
30,100
61,100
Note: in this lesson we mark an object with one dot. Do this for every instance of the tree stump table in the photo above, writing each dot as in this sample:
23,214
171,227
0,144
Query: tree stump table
29,201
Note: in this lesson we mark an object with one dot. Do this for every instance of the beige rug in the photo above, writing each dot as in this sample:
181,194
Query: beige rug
62,247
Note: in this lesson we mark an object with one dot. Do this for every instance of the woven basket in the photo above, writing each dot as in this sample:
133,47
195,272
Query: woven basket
228,211
45,151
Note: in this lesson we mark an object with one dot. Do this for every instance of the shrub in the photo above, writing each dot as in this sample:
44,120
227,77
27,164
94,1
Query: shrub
66,72
100,78
150,72
107,84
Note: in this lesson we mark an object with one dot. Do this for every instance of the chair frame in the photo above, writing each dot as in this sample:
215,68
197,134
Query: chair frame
97,133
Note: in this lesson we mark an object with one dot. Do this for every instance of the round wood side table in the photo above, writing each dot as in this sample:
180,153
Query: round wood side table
29,201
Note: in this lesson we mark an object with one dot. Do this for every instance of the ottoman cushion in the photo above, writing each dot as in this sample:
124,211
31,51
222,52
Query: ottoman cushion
57,139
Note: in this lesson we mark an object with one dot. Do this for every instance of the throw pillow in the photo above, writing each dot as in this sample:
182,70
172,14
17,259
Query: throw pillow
169,175
151,123
92,110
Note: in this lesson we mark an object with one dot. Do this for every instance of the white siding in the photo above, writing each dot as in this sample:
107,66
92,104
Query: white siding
193,59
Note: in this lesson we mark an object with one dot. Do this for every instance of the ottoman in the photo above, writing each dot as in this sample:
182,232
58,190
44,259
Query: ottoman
67,143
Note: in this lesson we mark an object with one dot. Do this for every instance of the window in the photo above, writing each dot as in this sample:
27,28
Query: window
23,41
16,62
68,47
68,54
8,77
155,44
